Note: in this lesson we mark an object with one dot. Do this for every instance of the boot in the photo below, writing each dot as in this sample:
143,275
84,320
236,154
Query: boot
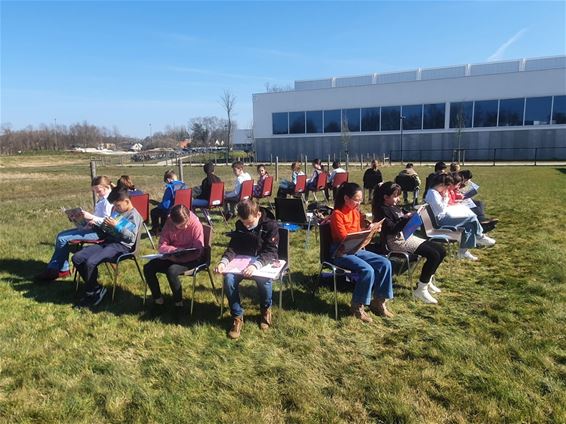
377,306
236,329
265,321
358,310
422,293
432,287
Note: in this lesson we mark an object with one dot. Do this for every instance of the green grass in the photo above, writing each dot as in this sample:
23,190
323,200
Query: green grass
493,350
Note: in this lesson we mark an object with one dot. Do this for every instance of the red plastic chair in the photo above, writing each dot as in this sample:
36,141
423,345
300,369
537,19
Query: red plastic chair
246,190
339,179
216,200
320,184
141,203
267,188
184,197
300,185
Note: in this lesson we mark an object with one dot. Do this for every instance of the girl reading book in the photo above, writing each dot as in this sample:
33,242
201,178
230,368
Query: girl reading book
182,230
385,200
374,271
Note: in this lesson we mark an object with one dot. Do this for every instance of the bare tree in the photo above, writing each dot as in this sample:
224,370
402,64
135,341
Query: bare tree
228,100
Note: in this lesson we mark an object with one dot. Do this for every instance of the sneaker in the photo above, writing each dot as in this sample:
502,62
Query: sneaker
466,254
422,293
485,241
377,306
86,301
64,274
265,321
358,310
236,329
47,274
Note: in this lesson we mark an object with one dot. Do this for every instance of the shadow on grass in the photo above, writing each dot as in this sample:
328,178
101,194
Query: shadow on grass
24,269
563,170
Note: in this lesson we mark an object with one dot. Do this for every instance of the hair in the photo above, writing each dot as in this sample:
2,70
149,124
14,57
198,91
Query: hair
261,165
409,165
454,167
439,166
316,162
238,165
346,189
101,180
296,165
441,178
125,182
388,188
169,174
208,168
457,178
336,164
118,194
466,174
375,161
247,208
180,214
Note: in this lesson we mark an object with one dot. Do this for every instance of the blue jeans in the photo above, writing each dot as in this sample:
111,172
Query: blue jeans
231,287
471,226
60,258
374,273
200,203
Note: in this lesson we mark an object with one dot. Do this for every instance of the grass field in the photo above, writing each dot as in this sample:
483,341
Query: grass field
493,350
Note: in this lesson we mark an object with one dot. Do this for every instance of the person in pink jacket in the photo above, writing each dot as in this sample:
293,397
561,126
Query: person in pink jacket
182,230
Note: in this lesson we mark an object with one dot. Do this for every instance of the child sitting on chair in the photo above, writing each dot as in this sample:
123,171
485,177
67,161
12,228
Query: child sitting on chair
257,236
288,187
232,197
258,188
372,177
119,232
203,198
160,213
182,230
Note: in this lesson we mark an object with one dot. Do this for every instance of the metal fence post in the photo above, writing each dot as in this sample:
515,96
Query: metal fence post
92,176
180,164
276,168
494,153
536,151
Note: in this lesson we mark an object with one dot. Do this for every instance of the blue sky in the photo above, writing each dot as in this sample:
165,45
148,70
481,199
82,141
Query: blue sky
125,65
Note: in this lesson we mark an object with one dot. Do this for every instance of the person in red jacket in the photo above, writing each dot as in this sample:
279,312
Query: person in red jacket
182,230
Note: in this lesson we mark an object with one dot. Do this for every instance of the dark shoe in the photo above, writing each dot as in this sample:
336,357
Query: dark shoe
47,274
236,329
64,274
377,306
265,321
86,301
358,310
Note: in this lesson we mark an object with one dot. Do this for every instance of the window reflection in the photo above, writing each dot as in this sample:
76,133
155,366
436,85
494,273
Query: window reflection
332,121
413,117
314,121
370,119
351,120
511,112
461,114
296,122
434,116
559,110
537,110
390,118
485,113
280,123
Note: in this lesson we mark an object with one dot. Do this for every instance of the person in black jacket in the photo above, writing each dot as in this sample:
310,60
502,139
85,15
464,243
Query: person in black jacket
372,177
257,236
384,205
201,201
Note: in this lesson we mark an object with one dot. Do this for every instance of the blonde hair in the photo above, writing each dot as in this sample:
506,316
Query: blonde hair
102,180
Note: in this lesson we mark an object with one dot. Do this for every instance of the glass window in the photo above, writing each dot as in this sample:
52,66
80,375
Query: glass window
296,122
280,123
370,119
314,121
461,114
351,119
485,113
537,111
412,117
434,116
559,110
390,118
332,121
511,112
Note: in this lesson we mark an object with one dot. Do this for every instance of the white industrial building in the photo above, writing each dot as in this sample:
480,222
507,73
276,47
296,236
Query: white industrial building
512,110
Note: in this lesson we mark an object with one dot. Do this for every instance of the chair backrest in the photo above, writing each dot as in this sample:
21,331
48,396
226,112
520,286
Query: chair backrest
432,229
321,181
426,215
407,182
184,196
216,195
283,249
267,187
208,235
339,179
290,210
301,184
246,190
325,241
136,247
141,204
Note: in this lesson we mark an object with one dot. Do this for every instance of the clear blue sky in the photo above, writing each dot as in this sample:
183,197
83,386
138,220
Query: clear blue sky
129,64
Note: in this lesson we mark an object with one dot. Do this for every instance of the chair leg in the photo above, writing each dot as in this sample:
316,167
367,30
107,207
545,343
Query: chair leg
211,277
280,292
115,281
76,280
207,216
149,235
142,278
335,296
193,295
291,286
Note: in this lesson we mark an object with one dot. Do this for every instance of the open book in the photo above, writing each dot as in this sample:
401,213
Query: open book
358,240
75,215
413,224
241,262
176,253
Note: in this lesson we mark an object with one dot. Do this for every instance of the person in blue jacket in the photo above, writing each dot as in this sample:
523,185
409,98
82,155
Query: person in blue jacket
160,213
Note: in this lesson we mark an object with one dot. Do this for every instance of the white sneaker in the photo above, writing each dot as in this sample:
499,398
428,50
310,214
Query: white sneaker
432,288
466,254
422,293
485,241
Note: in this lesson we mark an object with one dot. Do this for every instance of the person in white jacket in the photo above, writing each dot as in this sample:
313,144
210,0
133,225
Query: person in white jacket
233,197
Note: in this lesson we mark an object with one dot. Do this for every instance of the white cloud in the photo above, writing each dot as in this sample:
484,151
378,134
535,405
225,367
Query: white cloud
498,55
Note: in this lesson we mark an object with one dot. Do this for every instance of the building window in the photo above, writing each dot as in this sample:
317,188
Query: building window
461,114
390,116
511,112
351,120
296,122
485,113
537,110
559,110
434,116
370,119
314,122
280,123
412,117
332,121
